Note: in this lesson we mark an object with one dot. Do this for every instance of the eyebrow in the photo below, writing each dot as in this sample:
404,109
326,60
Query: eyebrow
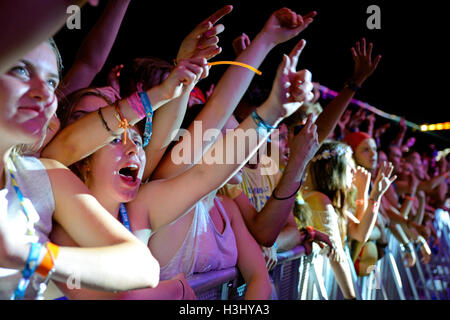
32,66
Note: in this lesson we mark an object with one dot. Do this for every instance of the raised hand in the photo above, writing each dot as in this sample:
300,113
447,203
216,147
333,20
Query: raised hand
202,41
184,77
113,77
361,180
284,24
240,43
364,65
306,143
383,180
291,88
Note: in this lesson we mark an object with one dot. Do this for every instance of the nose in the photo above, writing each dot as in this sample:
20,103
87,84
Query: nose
131,147
40,91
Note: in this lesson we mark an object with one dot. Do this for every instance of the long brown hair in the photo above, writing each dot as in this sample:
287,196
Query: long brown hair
327,171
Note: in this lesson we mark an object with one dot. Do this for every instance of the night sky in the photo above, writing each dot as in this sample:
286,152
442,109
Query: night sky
411,41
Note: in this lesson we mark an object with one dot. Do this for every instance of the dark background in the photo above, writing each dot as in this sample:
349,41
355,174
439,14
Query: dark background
409,80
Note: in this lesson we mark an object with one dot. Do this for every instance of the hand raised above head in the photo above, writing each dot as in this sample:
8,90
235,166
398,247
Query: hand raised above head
364,65
284,24
202,41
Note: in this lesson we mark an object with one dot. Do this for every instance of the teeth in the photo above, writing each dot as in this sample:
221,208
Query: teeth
133,166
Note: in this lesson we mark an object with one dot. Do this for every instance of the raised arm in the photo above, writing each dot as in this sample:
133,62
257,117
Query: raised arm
201,43
281,26
89,133
24,25
267,224
154,198
362,230
95,48
364,67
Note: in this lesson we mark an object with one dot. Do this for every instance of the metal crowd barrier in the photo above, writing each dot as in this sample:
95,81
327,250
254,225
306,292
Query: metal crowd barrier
301,277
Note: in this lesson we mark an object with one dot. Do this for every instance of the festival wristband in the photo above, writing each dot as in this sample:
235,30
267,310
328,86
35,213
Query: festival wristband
148,115
136,104
30,267
48,263
262,127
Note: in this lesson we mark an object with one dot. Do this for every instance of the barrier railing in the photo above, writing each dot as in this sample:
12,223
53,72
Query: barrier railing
309,277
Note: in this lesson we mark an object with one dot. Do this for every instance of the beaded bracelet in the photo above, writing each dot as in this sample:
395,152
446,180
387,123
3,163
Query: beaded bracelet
359,201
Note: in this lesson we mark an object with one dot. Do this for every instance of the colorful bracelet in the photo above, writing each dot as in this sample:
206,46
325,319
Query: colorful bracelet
123,122
148,115
48,263
262,127
359,201
30,267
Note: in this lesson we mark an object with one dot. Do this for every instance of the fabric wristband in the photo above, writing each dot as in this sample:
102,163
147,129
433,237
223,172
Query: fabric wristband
48,263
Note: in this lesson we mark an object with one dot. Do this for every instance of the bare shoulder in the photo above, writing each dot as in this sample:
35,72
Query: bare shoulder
52,164
317,200
229,205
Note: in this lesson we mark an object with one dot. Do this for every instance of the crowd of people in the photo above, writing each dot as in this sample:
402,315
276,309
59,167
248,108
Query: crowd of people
93,191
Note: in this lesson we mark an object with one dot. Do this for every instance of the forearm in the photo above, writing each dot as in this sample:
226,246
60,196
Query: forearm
166,121
258,287
418,218
95,48
343,277
288,238
219,107
329,118
272,218
98,43
87,134
362,231
24,25
111,268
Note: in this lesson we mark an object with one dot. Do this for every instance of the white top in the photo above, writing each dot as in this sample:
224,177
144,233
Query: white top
34,183
204,249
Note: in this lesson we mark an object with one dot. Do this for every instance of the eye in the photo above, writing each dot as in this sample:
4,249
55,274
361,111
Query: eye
116,140
52,83
138,142
21,71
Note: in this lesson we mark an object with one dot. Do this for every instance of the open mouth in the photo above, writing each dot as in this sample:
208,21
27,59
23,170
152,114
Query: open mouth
129,173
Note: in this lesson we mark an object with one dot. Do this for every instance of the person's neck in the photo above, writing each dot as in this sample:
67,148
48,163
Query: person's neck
111,205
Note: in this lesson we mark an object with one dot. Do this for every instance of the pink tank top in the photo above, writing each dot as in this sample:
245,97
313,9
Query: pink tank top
204,248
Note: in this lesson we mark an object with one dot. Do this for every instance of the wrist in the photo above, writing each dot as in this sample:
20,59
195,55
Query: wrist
270,114
265,39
